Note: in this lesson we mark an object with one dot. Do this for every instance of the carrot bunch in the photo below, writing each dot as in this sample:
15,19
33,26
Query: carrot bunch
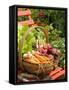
38,59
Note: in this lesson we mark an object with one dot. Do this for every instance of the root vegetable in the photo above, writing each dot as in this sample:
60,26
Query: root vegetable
41,58
34,58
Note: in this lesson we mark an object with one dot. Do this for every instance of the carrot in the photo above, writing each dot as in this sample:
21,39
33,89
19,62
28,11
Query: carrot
35,59
32,61
57,75
41,59
38,59
55,71
46,58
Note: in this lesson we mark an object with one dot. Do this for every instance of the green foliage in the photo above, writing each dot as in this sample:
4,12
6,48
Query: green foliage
59,44
31,39
21,31
62,61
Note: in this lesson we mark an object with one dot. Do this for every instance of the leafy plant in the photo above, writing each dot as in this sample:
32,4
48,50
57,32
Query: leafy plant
31,39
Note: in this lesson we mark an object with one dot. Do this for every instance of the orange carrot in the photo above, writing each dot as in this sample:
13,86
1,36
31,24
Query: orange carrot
57,75
34,58
55,71
41,59
46,58
32,61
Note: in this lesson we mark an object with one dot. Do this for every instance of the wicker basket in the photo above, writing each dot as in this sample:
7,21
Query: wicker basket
32,67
